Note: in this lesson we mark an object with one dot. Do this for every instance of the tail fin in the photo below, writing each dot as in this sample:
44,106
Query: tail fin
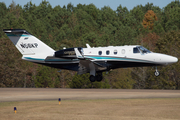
26,43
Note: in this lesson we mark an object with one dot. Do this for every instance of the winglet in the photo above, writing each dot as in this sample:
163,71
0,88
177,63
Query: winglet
78,54
88,46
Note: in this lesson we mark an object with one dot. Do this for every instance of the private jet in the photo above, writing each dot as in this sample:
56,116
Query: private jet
92,60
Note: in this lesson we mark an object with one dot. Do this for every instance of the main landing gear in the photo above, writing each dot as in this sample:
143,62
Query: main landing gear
156,73
98,77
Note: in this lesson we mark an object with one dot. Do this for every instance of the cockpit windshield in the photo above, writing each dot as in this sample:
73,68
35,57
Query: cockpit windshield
140,49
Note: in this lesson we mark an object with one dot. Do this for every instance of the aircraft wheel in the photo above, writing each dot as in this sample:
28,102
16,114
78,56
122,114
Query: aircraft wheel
92,78
99,78
156,73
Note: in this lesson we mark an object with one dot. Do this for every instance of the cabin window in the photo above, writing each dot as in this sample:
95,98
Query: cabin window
115,52
107,52
135,50
141,50
123,51
100,52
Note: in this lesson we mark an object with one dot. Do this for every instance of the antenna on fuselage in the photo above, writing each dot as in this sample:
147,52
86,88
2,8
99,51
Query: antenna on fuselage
88,46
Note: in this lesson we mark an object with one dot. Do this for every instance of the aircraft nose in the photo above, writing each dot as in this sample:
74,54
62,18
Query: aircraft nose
174,59
171,59
166,59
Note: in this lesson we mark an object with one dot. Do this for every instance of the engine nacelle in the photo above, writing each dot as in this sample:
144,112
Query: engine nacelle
68,53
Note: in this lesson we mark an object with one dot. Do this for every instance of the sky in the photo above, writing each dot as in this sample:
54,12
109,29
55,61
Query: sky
113,4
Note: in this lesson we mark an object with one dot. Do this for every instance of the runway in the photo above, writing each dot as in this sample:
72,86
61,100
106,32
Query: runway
40,94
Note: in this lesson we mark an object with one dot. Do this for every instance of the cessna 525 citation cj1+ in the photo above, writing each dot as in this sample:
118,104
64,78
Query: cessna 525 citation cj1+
86,60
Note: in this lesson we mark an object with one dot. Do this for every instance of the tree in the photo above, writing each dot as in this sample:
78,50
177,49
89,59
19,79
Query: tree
149,19
150,41
169,44
11,73
120,79
46,77
158,28
73,26
80,81
122,13
3,9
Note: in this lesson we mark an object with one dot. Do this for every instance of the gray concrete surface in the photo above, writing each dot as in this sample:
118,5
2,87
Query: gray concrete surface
34,94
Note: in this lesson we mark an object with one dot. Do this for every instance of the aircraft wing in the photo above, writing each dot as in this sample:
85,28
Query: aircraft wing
86,65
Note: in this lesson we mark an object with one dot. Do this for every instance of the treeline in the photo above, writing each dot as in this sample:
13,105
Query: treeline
73,26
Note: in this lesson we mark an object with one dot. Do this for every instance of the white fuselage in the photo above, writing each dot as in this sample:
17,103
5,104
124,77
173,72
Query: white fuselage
127,53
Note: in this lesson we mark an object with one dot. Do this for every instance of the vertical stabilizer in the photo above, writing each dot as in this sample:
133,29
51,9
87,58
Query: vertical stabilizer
26,43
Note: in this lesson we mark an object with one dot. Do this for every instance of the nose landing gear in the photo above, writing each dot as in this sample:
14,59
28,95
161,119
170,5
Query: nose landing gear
156,73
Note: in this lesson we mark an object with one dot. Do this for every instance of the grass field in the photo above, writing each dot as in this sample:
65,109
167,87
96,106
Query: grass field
109,109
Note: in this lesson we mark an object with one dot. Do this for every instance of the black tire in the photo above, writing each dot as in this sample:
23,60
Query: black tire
99,78
92,78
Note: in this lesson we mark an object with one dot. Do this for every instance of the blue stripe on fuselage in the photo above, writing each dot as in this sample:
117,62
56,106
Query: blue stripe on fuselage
60,60
34,58
51,60
93,57
115,58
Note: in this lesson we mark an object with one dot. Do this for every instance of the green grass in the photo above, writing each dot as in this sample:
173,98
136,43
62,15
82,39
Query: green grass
125,109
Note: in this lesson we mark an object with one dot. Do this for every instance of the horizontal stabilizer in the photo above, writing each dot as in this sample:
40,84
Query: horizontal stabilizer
16,31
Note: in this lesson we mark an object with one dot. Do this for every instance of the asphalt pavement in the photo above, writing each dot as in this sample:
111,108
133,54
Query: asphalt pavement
40,94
